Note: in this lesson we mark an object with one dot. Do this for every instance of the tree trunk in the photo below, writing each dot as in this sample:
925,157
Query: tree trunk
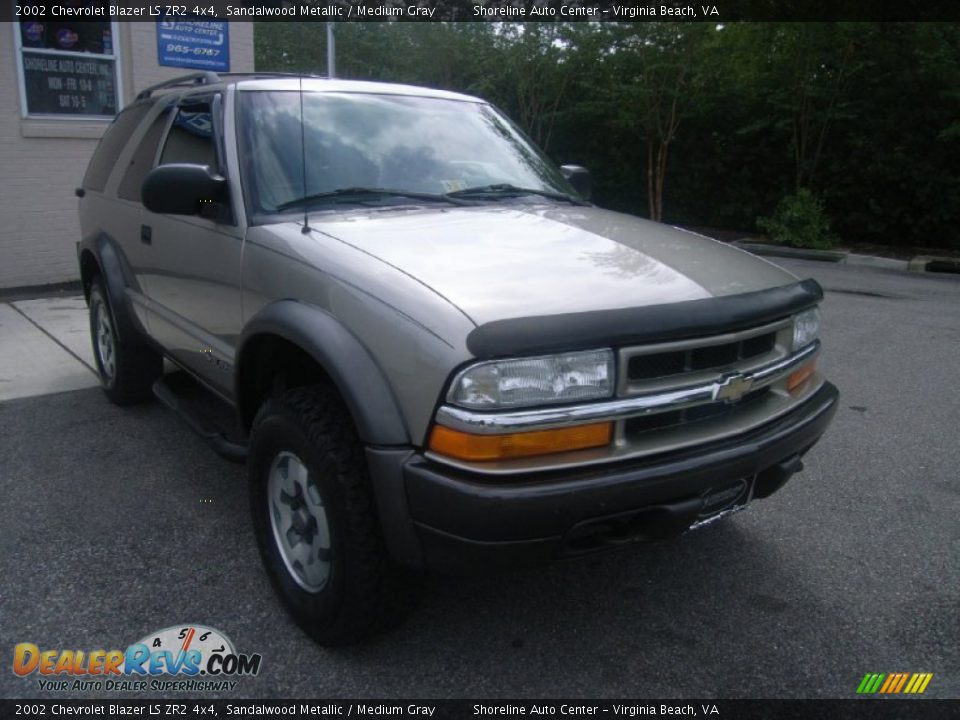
651,191
661,177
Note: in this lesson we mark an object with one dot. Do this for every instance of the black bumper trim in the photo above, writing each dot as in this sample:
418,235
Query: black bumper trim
451,508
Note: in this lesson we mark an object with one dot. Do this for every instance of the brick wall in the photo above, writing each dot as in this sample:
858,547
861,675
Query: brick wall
43,161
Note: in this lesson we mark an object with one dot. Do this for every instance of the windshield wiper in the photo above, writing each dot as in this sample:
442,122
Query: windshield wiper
506,190
362,193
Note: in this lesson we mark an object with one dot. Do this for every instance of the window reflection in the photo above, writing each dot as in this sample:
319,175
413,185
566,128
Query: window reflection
67,34
415,144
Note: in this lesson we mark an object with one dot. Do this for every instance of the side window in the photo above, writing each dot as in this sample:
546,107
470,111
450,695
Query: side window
191,138
142,161
111,144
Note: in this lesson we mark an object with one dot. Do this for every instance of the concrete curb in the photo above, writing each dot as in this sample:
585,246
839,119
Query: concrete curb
33,292
874,261
836,256
921,263
935,263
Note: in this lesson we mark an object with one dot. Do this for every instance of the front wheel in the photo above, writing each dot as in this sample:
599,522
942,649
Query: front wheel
127,368
316,522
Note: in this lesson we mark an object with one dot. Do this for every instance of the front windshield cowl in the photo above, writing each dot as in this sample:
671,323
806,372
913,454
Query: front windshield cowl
502,190
392,148
366,196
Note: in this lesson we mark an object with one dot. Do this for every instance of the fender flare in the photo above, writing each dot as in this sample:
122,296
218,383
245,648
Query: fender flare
117,276
340,353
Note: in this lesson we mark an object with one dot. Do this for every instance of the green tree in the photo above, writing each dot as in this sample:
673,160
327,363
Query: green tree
700,123
804,72
656,72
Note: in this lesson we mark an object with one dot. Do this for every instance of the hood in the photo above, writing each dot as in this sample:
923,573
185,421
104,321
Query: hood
503,260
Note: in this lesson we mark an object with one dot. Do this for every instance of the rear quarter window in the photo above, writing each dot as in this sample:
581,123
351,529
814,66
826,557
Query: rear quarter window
111,145
191,138
142,160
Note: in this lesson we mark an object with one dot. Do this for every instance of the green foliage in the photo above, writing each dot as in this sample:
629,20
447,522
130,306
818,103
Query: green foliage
799,220
702,124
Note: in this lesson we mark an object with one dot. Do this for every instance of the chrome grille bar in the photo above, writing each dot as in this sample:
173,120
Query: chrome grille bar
724,387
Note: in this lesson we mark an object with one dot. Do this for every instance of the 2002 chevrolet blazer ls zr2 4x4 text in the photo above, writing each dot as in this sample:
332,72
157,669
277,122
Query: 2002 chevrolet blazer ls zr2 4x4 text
439,353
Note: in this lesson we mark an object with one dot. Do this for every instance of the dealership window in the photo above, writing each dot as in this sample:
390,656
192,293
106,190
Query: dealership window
68,69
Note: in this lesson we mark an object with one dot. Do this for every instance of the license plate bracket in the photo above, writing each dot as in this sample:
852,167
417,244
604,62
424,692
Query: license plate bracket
723,501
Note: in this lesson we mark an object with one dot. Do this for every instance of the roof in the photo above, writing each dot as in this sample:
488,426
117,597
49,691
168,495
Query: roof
309,83
314,84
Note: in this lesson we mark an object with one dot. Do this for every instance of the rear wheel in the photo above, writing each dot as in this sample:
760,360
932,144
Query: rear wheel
126,367
316,521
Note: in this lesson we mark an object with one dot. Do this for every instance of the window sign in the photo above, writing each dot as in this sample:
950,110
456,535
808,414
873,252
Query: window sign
194,44
67,68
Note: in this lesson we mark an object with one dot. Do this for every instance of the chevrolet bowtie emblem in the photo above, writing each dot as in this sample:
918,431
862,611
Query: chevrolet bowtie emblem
732,388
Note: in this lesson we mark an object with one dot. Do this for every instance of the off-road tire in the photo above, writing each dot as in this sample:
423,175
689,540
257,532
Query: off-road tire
365,592
129,368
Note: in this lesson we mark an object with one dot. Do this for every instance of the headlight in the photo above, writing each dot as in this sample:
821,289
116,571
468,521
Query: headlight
806,325
535,381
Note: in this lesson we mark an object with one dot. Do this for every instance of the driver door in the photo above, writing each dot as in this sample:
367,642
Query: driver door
194,260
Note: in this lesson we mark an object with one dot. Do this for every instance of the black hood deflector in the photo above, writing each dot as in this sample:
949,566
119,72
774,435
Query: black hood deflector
636,326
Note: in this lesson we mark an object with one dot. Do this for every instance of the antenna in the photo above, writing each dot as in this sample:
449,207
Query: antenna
303,162
331,53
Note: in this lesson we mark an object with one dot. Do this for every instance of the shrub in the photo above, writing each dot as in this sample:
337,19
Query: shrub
799,220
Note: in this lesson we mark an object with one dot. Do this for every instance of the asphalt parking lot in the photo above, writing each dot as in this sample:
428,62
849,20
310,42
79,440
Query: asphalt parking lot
118,522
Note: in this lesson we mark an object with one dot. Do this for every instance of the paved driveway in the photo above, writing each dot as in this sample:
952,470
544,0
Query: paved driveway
119,522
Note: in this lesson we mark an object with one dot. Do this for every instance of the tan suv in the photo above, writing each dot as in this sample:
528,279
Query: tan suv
436,352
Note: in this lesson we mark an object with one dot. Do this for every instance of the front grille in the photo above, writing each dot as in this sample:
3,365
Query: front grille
661,421
667,373
709,357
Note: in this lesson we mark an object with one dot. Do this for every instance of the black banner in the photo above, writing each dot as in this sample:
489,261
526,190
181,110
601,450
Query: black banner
485,10
915,709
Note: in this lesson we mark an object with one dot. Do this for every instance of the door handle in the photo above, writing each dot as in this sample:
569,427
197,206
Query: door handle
146,234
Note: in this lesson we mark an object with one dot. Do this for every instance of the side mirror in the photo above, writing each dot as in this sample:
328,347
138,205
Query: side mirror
182,189
579,177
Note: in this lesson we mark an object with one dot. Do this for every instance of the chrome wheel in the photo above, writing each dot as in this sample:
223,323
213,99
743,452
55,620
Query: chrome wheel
106,341
299,522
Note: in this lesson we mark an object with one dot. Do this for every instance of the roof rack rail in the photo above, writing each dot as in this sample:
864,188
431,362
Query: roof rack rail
199,78
270,73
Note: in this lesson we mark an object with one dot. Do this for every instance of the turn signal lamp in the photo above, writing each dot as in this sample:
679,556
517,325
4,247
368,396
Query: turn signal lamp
485,448
799,377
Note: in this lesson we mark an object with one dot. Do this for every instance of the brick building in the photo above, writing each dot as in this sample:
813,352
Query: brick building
62,83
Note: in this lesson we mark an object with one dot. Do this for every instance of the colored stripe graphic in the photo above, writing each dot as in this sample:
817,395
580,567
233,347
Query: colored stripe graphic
903,679
894,683
870,683
918,683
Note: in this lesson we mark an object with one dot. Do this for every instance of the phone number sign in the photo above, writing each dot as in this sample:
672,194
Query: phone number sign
194,44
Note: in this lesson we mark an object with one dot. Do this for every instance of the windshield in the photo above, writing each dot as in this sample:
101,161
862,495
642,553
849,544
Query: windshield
392,142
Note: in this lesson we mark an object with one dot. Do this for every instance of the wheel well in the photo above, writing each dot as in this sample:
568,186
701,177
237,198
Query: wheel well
271,364
89,269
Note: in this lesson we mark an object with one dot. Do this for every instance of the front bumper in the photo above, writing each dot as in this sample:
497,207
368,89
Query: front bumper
442,518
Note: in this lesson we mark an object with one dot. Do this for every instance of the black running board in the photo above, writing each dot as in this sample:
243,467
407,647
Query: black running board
221,444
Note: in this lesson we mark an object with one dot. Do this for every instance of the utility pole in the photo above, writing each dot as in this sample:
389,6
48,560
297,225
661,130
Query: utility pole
331,53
